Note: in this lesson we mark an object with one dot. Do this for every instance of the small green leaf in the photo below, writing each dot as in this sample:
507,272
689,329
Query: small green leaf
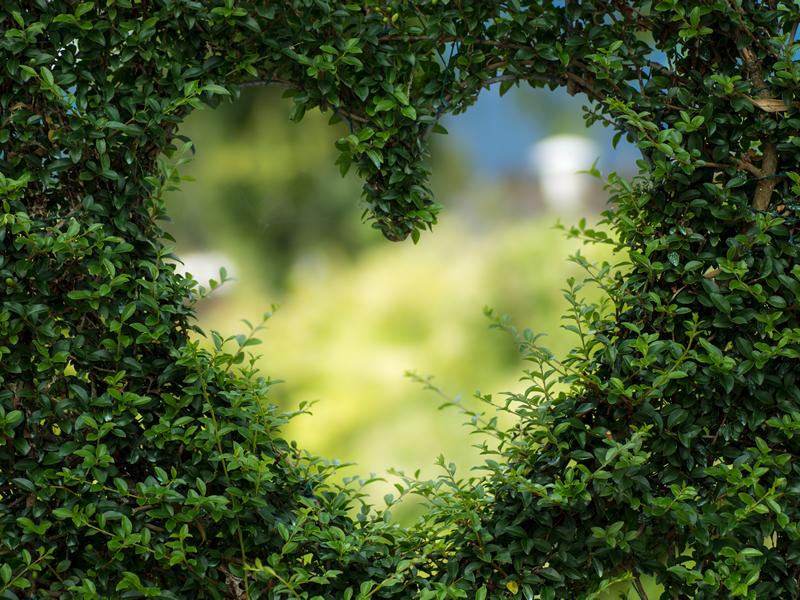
777,301
385,104
692,265
213,88
401,96
14,418
720,302
47,75
62,513
551,574
410,112
83,8
736,181
375,157
674,258
24,484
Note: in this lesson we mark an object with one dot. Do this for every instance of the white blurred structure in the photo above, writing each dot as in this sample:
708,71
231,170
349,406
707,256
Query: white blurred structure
205,266
556,161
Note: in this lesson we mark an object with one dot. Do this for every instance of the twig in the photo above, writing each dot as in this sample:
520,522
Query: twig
511,77
451,39
637,585
349,116
740,14
676,292
262,82
742,165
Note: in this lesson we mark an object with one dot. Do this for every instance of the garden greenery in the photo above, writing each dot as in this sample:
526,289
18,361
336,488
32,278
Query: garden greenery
136,463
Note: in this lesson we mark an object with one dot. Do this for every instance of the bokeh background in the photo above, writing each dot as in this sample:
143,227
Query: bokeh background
263,199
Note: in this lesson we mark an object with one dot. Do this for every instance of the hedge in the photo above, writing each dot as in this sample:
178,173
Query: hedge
136,463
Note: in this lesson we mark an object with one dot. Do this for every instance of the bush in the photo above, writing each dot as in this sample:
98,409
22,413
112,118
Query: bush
136,464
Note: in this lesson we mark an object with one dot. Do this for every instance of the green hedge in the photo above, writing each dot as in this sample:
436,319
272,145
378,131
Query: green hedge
135,464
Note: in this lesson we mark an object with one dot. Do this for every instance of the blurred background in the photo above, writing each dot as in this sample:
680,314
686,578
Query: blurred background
357,312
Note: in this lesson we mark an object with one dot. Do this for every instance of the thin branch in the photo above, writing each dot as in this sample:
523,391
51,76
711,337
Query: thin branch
492,80
637,585
586,88
511,77
263,82
742,165
443,109
450,39
350,116
408,38
765,187
740,14
769,162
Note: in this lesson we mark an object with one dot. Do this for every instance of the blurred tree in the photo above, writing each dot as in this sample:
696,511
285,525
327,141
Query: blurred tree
262,178
271,192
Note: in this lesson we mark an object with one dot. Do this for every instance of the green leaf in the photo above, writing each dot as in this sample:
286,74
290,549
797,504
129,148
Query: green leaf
551,574
83,8
62,513
353,61
385,104
375,157
47,75
401,96
79,294
14,418
409,112
24,484
693,265
737,181
720,302
213,88
777,301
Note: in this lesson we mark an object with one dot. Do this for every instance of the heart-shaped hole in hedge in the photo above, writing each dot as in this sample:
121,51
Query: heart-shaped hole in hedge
352,322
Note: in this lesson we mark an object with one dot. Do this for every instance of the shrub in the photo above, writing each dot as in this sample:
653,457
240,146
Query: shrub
134,463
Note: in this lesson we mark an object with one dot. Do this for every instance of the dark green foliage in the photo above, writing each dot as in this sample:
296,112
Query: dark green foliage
134,464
